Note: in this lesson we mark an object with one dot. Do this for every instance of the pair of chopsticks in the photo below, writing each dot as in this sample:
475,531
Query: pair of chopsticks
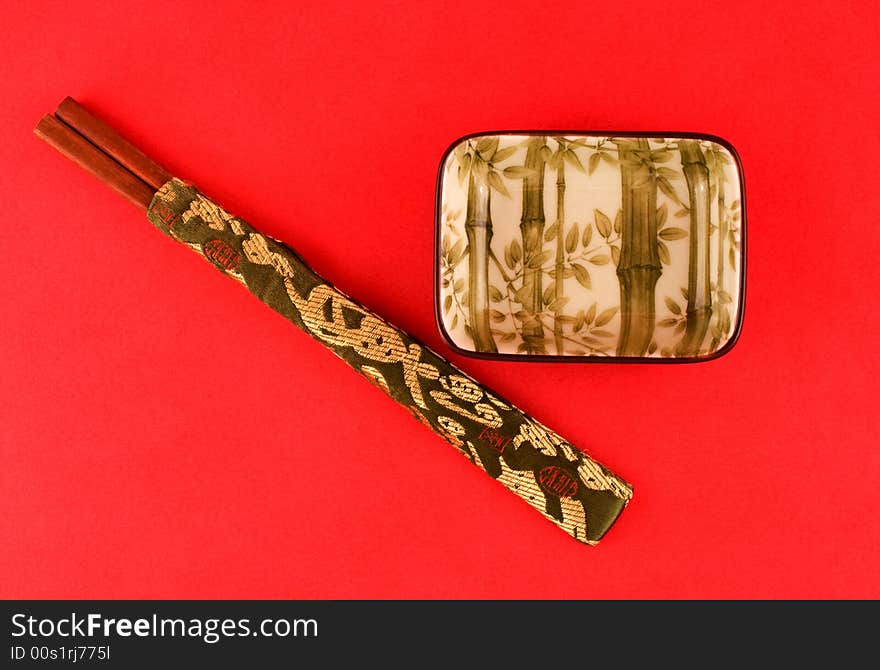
417,372
101,151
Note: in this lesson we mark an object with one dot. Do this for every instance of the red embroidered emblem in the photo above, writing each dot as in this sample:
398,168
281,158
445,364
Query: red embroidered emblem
164,213
222,255
557,481
494,440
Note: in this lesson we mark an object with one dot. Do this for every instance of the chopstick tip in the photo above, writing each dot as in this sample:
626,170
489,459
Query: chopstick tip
43,125
67,102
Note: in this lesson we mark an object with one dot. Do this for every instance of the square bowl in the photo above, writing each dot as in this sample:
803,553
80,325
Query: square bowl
590,246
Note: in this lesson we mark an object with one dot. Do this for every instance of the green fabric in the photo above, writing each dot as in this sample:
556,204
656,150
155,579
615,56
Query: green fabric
570,489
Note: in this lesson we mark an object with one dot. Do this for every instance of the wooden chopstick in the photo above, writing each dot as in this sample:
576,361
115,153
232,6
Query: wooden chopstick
82,152
111,143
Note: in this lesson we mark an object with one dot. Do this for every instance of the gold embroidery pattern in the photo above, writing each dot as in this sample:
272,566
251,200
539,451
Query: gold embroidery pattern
436,393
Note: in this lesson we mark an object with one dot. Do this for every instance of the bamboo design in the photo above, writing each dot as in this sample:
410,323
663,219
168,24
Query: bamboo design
699,304
643,262
639,266
478,227
532,229
560,253
722,226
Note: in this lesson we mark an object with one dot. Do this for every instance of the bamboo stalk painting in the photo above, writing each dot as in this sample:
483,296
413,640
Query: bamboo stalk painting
639,265
532,229
479,234
590,246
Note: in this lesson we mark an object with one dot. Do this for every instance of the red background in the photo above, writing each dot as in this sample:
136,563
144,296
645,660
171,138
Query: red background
165,435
